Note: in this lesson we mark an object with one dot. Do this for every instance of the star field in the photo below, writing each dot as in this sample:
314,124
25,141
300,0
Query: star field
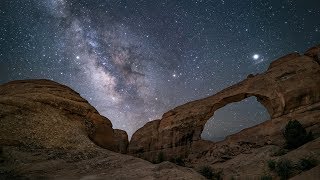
133,60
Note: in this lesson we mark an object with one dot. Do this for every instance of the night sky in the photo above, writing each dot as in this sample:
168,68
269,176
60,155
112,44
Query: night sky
134,60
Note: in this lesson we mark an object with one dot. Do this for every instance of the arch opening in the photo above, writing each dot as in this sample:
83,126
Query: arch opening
233,118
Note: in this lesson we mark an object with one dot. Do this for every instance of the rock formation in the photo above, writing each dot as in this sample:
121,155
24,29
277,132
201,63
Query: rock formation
48,131
289,89
41,105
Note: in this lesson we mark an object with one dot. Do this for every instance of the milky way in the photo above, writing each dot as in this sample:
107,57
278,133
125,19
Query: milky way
135,60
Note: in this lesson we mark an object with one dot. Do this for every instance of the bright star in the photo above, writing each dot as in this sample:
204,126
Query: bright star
78,57
256,56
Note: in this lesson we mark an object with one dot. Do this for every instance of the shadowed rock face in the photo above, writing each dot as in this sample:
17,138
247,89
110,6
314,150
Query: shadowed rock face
52,115
314,53
120,136
289,88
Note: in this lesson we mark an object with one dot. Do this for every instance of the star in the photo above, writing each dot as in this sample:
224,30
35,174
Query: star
256,56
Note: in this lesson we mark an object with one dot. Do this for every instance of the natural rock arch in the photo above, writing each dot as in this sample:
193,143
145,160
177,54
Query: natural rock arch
263,100
224,123
290,85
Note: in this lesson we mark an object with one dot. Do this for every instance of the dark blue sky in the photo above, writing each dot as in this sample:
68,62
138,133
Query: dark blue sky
134,60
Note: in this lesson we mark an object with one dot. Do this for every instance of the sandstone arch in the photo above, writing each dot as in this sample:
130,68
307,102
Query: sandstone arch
290,85
263,100
233,118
